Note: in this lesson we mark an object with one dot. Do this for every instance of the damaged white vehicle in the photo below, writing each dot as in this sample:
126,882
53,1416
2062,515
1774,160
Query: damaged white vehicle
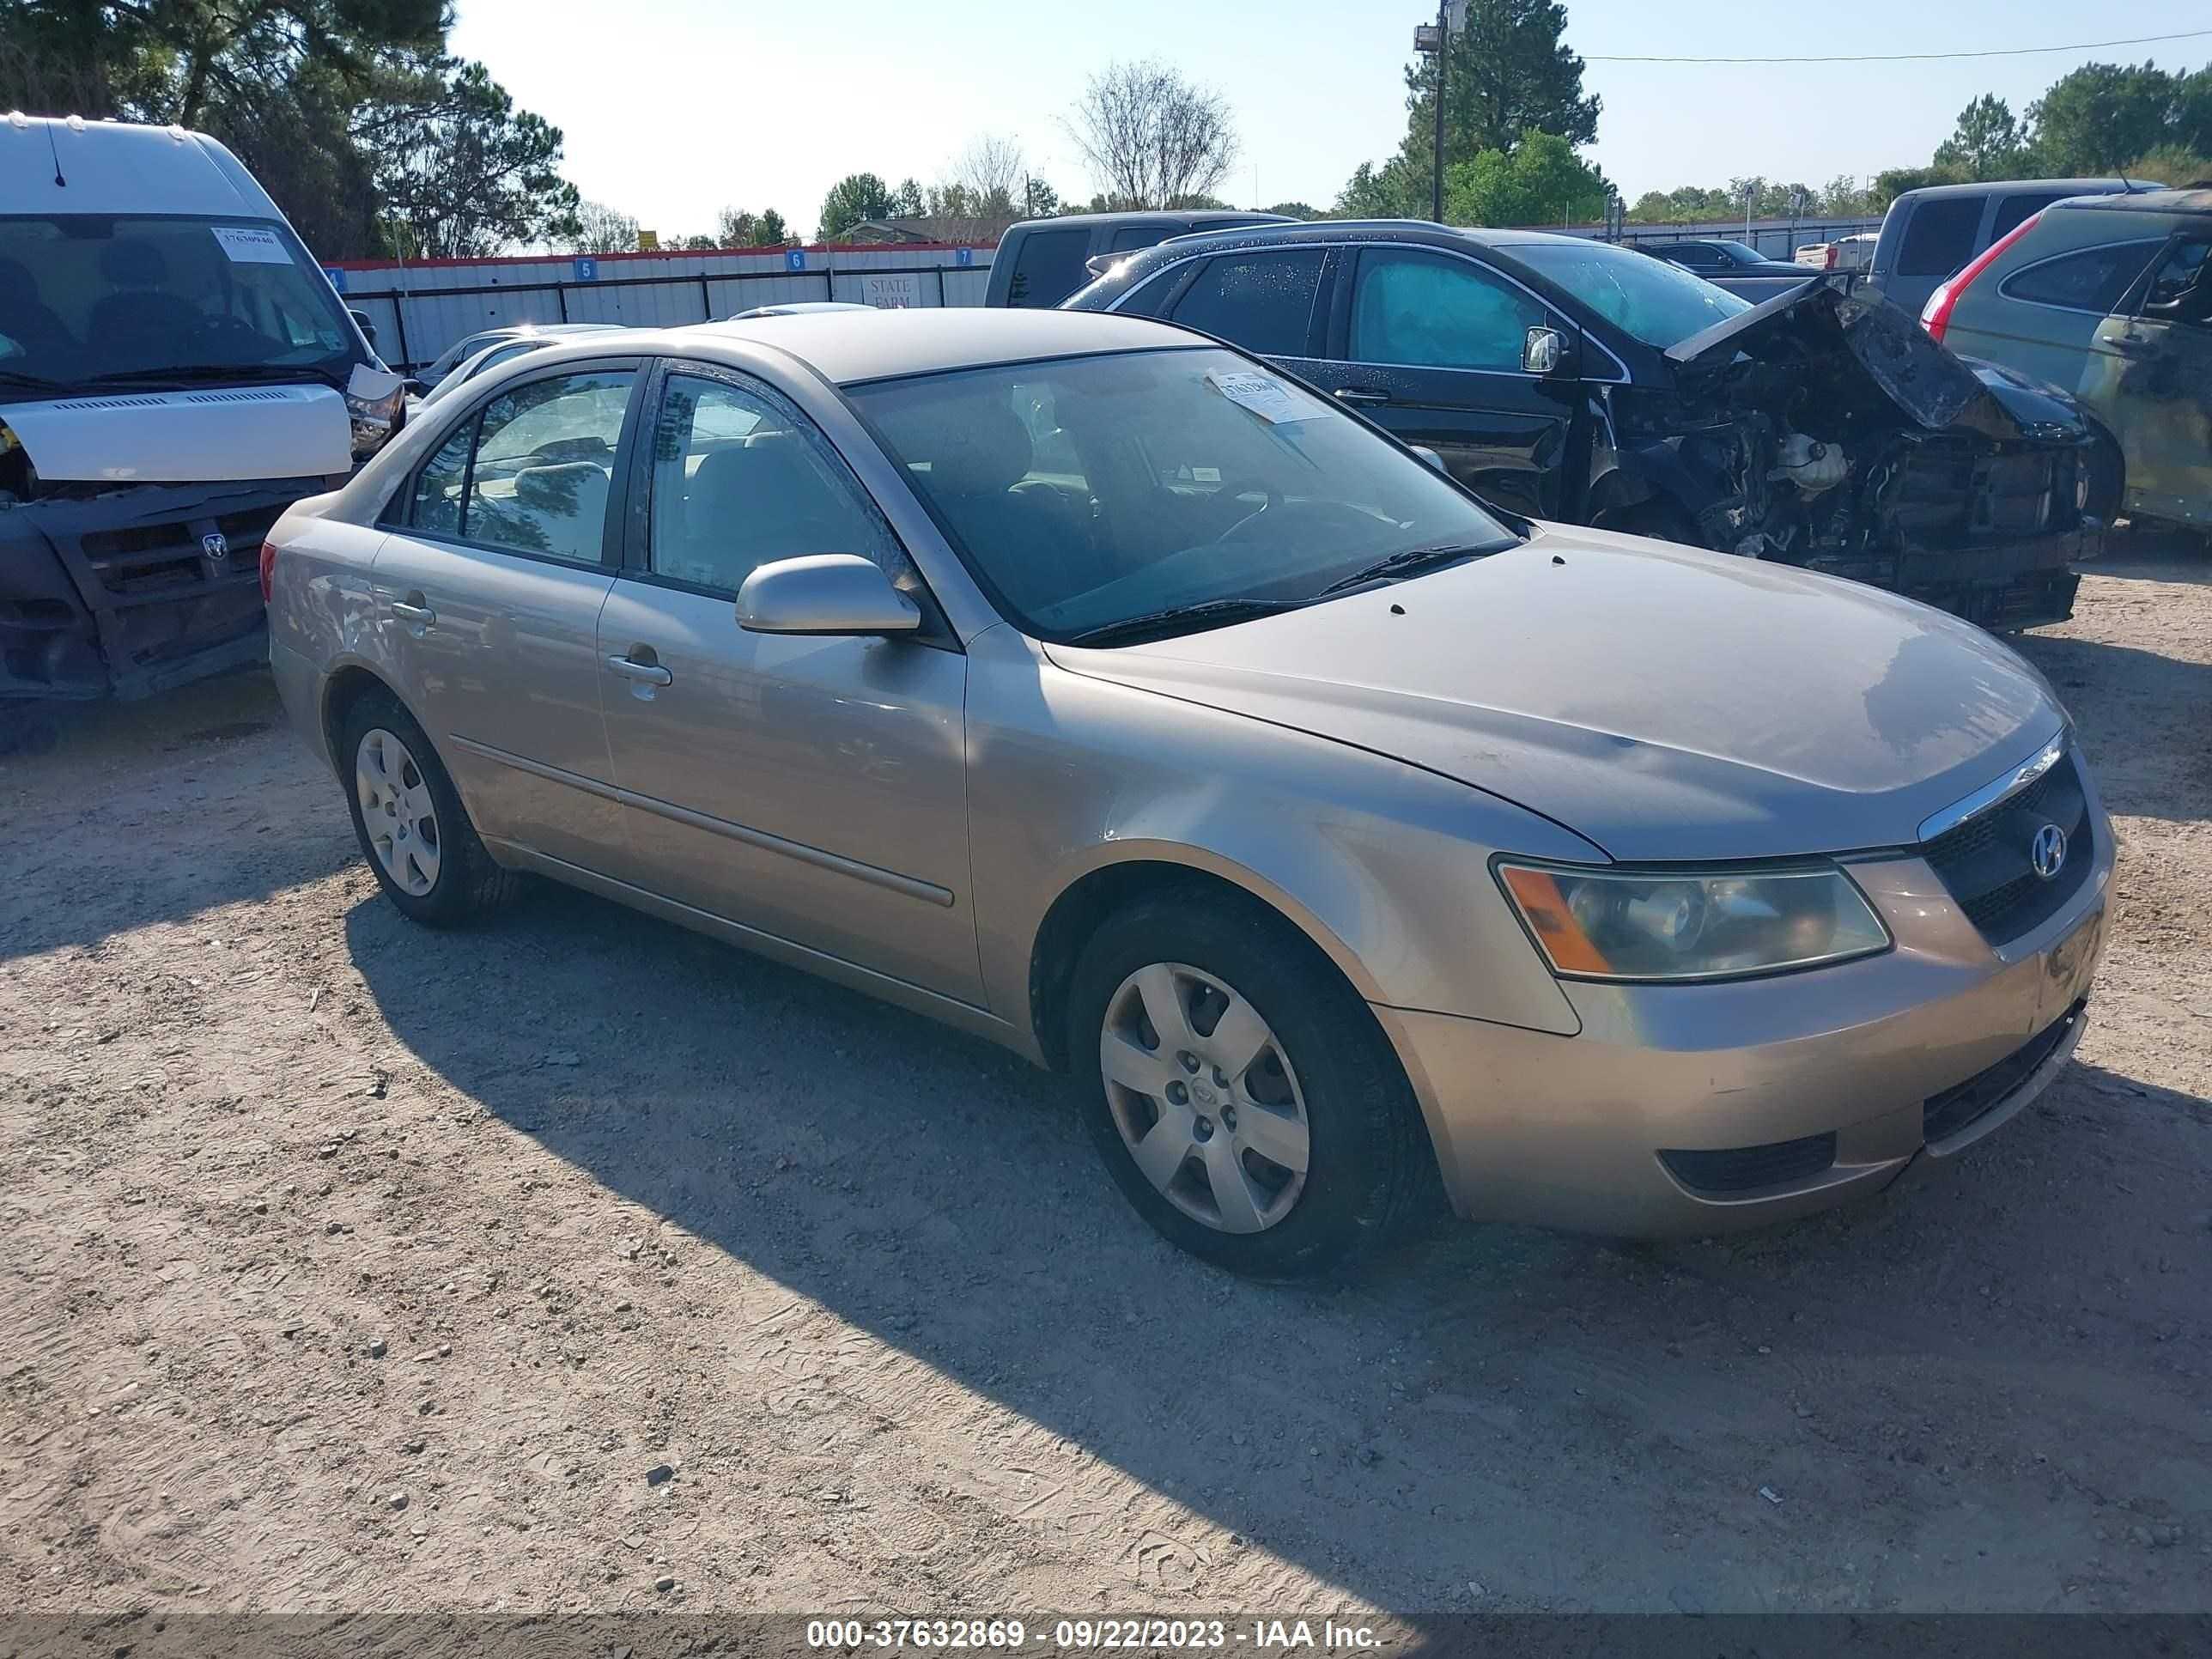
175,370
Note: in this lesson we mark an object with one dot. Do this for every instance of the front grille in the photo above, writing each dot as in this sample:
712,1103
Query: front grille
1943,1115
1748,1169
148,563
1985,862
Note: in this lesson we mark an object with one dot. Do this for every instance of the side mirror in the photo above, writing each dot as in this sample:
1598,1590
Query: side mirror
1428,455
1544,351
824,594
367,329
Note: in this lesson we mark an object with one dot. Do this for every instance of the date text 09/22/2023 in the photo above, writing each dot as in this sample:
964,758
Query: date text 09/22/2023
1099,1635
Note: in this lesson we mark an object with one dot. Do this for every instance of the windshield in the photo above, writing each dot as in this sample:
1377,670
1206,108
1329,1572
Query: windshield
88,297
1741,253
1088,491
1649,300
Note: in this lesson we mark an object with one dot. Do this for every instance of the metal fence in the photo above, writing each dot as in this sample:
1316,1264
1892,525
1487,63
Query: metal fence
420,308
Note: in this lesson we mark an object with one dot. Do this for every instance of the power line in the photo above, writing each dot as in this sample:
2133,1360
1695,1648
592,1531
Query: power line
1902,56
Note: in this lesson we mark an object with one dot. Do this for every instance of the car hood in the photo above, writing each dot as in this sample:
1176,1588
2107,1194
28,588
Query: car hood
1822,321
1663,702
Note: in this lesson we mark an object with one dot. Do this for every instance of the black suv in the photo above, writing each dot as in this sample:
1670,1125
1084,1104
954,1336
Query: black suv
1574,380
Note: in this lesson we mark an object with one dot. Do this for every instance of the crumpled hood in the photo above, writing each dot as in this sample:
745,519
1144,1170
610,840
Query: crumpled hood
210,436
1929,384
1662,701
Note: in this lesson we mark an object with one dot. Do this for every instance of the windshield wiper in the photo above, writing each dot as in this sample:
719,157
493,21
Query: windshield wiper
1413,559
1217,612
37,382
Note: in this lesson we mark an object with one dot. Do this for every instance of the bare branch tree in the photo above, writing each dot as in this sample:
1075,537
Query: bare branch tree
981,192
1152,137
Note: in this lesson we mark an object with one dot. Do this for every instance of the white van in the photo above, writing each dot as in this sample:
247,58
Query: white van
174,372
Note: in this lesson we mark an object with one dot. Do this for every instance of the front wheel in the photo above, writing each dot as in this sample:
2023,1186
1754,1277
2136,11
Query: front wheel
1242,1095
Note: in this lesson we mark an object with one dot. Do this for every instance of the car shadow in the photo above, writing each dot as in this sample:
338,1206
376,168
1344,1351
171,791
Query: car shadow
2142,717
1494,1417
156,812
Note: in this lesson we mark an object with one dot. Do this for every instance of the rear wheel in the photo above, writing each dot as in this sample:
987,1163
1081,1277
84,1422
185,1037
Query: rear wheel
1241,1094
409,818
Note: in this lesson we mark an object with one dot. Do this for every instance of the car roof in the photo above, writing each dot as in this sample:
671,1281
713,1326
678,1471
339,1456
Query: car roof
66,164
1154,216
849,347
2147,201
2005,186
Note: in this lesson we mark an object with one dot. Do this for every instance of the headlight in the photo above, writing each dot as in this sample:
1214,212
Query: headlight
1599,925
374,420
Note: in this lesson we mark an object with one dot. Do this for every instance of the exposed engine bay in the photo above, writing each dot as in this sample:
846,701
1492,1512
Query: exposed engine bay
1826,431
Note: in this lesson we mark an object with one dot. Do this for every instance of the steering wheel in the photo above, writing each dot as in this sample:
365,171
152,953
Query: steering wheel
1273,498
219,328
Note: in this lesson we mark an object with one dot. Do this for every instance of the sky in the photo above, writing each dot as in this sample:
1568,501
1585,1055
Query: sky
671,109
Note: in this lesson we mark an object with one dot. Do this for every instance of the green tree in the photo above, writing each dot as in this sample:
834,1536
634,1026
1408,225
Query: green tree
907,201
1393,190
1296,210
1507,72
1893,182
2101,115
1540,182
1988,141
469,174
741,228
856,197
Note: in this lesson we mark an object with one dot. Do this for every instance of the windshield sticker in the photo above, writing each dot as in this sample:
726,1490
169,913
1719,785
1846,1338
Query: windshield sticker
247,246
1264,395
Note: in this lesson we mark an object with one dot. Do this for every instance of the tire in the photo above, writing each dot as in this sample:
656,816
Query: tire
412,828
1371,1173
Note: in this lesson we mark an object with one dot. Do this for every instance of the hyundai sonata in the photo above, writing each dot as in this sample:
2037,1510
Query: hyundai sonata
1095,687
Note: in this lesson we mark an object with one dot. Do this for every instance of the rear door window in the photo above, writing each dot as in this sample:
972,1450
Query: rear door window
1131,236
1939,237
539,480
1263,300
2093,279
1048,267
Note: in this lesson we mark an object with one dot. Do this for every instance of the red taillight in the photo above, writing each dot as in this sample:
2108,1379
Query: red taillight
1935,315
1829,262
268,567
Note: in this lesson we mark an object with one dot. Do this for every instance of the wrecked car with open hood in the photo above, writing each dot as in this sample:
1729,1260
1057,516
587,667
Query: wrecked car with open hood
175,370
1576,380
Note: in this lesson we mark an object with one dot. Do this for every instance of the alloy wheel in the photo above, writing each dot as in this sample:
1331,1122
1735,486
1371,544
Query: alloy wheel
397,811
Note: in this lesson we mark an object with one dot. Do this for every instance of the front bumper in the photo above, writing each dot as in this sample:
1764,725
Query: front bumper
2026,584
1571,1131
134,591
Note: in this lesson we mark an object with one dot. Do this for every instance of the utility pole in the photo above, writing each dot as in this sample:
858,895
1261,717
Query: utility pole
1430,40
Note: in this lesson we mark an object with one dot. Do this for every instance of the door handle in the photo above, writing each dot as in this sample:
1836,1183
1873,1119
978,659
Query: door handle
649,673
412,609
1360,394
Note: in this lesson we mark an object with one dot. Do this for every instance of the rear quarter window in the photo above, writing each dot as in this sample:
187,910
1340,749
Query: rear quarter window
1048,267
2091,279
1939,237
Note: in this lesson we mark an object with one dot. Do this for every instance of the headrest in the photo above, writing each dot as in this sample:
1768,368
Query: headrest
133,262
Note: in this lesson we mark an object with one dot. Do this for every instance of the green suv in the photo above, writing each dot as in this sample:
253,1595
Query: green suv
2110,297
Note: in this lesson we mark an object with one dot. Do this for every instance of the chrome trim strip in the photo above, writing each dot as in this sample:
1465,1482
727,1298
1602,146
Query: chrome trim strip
911,886
1996,792
535,769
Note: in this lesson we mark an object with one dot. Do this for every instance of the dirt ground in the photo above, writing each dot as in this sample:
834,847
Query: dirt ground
349,1266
